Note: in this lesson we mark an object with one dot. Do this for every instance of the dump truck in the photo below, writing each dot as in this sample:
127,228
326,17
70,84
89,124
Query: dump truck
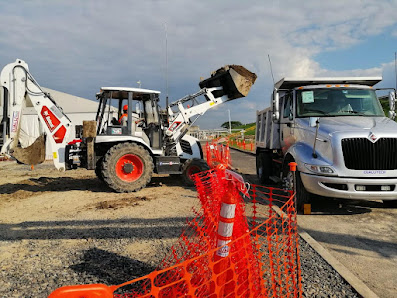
337,133
124,154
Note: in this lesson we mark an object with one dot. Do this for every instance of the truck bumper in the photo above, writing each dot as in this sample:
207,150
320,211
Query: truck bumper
345,188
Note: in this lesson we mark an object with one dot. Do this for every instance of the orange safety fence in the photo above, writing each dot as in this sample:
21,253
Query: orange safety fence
259,256
248,145
218,153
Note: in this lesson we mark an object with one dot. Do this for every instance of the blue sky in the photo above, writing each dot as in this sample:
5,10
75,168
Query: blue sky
373,51
78,46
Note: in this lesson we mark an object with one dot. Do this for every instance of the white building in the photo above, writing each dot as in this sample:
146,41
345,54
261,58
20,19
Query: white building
76,108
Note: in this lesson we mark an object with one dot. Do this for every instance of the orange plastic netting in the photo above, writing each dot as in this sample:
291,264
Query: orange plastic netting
263,258
217,153
260,257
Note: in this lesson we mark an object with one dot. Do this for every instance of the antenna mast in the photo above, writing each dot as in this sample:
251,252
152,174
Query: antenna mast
271,68
166,68
395,67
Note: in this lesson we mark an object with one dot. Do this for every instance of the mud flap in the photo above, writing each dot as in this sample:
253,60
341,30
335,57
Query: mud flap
31,155
236,81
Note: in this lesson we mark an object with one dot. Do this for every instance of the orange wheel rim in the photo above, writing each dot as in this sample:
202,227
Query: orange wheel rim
129,167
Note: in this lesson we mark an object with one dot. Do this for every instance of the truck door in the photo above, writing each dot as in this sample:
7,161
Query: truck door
286,122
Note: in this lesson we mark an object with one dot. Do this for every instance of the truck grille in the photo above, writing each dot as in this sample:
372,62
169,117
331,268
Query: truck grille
362,154
185,145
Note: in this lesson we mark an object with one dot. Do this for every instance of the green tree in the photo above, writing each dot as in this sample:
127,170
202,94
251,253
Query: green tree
233,124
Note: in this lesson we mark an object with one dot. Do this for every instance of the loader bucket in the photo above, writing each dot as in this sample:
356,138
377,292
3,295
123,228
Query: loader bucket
236,81
31,155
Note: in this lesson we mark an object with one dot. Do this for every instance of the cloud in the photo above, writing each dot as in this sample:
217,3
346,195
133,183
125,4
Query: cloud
78,46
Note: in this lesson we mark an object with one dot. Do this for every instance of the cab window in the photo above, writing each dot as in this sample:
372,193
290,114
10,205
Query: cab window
287,110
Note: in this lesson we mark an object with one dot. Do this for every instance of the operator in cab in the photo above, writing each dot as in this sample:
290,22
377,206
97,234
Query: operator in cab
124,116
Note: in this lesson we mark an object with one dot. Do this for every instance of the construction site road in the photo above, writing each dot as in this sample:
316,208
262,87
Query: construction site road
362,235
67,228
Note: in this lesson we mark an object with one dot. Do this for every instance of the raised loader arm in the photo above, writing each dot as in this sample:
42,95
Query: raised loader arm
225,84
21,90
181,122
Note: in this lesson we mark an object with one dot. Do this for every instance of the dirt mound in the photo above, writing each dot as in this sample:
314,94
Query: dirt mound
120,203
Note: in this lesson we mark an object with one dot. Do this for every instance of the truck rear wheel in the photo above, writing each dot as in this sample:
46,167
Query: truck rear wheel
191,167
302,196
263,166
127,167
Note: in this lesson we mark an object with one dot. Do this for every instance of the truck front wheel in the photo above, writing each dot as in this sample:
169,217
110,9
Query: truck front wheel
390,203
302,196
127,167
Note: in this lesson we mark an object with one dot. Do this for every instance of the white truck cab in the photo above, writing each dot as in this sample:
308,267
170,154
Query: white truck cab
336,131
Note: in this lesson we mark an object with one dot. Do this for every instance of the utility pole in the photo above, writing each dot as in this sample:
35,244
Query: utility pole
230,123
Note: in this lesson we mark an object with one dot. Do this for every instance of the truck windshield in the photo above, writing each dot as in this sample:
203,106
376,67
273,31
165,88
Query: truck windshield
338,102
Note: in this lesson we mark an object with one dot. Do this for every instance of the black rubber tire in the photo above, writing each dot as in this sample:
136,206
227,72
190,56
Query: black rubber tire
264,166
109,167
259,167
98,169
302,196
390,203
194,162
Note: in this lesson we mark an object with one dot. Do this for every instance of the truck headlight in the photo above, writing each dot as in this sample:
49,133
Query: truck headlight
320,169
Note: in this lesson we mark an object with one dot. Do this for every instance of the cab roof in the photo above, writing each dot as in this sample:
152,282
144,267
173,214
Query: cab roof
122,92
290,83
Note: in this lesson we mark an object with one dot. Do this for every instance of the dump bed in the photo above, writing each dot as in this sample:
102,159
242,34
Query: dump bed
290,83
267,134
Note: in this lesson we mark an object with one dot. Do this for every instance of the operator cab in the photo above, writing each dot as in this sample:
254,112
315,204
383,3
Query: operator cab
143,118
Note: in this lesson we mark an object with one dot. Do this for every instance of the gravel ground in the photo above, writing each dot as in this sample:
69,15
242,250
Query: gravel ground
319,279
51,236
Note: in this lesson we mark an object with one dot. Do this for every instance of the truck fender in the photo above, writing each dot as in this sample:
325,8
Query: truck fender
302,154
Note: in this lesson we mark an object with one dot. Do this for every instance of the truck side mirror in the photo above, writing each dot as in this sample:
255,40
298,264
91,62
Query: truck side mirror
392,105
137,109
275,102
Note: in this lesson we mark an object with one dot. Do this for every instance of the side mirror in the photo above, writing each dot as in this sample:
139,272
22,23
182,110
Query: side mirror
137,109
290,116
275,102
392,105
313,121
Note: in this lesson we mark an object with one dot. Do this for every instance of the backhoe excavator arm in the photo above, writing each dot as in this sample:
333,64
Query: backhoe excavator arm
22,90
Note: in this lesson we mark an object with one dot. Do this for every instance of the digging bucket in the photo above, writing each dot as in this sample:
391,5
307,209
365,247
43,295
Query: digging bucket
31,155
236,81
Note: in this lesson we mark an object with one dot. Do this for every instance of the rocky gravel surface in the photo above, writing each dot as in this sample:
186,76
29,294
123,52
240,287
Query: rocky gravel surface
51,238
319,279
39,267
